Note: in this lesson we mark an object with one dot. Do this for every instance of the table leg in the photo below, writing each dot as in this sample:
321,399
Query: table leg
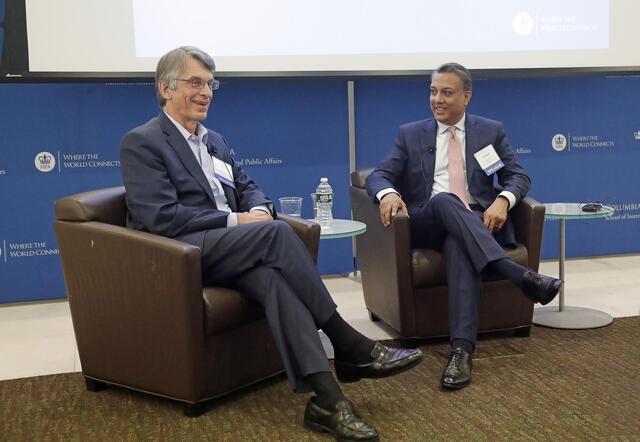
561,261
566,317
354,253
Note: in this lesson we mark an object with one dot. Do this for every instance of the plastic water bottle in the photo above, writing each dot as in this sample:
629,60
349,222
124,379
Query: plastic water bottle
324,201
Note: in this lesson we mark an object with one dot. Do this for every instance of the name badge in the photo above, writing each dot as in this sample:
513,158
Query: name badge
489,160
223,172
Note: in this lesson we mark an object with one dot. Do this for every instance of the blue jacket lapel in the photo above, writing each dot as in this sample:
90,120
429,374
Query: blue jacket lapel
428,154
471,146
184,152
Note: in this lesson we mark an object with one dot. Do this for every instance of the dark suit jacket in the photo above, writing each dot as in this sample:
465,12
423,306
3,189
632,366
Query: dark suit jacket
166,190
409,167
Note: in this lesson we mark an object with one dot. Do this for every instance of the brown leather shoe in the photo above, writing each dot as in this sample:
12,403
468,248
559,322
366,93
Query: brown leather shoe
540,288
385,361
343,422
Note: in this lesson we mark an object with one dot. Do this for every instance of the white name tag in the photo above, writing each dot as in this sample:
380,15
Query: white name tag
223,171
489,160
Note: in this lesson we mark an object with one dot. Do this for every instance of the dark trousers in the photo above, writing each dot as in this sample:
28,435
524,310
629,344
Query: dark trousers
445,224
268,263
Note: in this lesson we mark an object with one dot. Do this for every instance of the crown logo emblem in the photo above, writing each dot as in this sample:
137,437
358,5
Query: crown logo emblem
559,142
636,135
45,158
45,161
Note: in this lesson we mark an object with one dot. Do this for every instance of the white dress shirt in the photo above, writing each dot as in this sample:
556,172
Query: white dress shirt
198,145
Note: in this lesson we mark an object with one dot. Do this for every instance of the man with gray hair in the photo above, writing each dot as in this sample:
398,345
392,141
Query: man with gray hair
182,182
442,172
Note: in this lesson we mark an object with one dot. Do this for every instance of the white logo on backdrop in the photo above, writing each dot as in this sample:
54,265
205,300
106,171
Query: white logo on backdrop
29,250
86,161
590,142
45,162
255,161
522,24
625,212
559,142
636,135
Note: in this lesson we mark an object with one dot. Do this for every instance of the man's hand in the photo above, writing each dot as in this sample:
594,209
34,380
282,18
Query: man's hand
253,217
496,215
389,206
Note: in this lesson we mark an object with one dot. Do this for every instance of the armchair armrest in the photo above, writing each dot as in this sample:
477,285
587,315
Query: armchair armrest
385,253
308,231
528,221
134,293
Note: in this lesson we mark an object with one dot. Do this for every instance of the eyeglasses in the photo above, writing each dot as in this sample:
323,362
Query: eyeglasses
198,83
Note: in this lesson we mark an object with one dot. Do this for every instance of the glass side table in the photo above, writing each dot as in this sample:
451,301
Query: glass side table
567,317
342,228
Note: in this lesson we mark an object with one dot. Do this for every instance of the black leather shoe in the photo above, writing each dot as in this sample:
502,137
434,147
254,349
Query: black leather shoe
343,422
457,373
385,361
540,288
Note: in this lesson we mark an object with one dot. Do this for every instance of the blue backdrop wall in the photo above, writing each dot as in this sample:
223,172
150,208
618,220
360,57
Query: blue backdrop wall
597,117
60,139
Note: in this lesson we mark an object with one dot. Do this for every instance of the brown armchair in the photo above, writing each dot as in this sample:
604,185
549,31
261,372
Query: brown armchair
407,288
141,317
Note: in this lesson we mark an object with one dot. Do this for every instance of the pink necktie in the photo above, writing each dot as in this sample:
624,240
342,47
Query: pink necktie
456,168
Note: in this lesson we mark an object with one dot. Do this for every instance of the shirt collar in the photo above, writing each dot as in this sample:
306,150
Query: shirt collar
201,131
443,128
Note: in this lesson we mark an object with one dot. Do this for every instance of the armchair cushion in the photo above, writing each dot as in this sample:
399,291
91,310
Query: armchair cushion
226,308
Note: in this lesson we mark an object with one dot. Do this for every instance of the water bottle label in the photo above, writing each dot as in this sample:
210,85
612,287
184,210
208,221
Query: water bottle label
324,198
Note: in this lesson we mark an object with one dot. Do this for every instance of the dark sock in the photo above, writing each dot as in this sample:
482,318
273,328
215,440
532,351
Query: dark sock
466,345
348,344
327,389
509,269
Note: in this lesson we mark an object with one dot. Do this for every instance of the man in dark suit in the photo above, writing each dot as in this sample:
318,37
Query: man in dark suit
442,171
182,182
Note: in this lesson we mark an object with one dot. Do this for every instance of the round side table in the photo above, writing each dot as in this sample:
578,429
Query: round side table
342,228
567,317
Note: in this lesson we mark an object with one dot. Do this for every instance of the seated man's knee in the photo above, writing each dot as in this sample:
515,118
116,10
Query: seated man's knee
281,225
443,200
444,204
282,228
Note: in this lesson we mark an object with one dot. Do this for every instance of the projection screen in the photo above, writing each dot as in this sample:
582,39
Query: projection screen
333,36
